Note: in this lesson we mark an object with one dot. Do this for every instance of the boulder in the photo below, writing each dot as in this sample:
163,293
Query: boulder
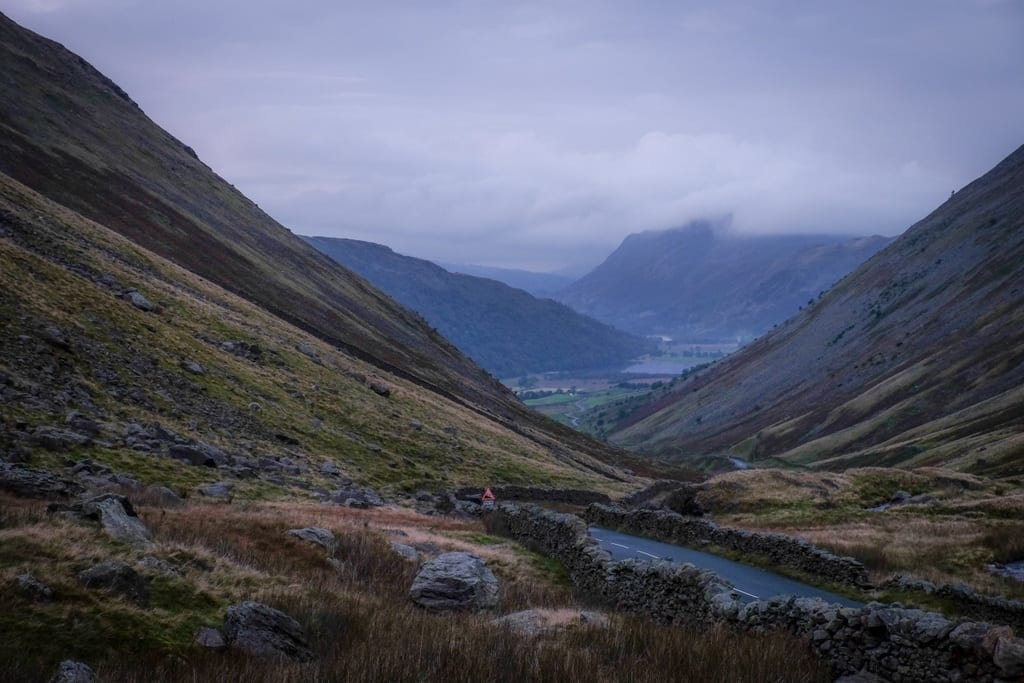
33,589
210,638
329,469
455,581
138,301
257,629
1009,657
117,577
684,501
164,497
34,483
222,489
71,671
406,551
196,368
317,536
118,518
201,454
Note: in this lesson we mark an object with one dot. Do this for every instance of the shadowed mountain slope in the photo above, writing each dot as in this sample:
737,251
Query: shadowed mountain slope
701,283
505,330
74,137
917,357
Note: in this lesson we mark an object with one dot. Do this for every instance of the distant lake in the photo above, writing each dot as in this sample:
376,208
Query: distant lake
662,367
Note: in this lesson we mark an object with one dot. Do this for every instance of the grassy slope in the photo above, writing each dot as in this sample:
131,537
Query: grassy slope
72,135
917,358
53,266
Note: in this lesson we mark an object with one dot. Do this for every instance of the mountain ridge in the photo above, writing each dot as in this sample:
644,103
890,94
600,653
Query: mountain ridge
917,357
701,282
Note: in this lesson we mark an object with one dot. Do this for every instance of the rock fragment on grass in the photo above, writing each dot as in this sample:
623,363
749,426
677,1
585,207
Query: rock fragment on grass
118,578
33,589
118,518
316,536
71,671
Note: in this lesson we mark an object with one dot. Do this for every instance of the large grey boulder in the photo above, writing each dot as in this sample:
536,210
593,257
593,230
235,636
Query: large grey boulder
455,581
356,497
58,439
118,518
257,629
117,577
71,671
199,454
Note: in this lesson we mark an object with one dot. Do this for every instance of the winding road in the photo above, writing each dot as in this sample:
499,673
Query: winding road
750,583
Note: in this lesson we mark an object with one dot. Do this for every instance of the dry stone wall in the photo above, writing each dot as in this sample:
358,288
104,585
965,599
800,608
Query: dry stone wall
787,551
897,644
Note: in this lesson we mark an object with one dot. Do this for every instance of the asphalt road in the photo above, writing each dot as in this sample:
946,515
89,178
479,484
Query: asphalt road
750,582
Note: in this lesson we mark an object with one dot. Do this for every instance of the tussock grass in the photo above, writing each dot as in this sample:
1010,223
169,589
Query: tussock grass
355,613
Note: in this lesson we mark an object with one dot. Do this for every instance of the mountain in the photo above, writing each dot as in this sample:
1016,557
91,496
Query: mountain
701,283
542,285
915,358
505,330
252,340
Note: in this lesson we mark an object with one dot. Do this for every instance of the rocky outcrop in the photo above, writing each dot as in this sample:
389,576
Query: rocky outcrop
35,483
32,588
356,497
119,578
886,641
781,549
454,582
263,631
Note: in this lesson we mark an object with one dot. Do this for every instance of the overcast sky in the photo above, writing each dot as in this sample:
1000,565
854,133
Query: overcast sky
538,135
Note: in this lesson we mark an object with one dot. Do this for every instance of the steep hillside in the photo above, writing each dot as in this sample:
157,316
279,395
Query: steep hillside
75,146
701,283
915,358
505,330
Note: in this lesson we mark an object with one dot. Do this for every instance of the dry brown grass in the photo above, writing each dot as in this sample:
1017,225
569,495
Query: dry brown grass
358,619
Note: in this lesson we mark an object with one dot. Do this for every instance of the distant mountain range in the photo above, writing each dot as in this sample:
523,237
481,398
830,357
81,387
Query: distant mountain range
506,330
542,285
702,283
915,358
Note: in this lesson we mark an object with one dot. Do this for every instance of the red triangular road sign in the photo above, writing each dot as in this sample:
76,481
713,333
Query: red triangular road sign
488,494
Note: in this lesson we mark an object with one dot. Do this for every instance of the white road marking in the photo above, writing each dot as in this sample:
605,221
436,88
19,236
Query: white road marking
619,545
641,552
756,597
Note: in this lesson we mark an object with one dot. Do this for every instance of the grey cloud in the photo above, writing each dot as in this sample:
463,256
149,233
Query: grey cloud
540,134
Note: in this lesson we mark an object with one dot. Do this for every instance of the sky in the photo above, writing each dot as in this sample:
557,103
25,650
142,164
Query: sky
537,135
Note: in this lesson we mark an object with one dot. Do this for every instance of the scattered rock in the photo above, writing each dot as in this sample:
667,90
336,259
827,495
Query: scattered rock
200,454
533,622
34,483
257,629
527,623
222,489
54,336
57,439
117,577
210,638
455,581
138,301
329,469
317,536
307,349
380,388
71,671
863,676
406,551
356,497
33,589
192,366
118,518
155,564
